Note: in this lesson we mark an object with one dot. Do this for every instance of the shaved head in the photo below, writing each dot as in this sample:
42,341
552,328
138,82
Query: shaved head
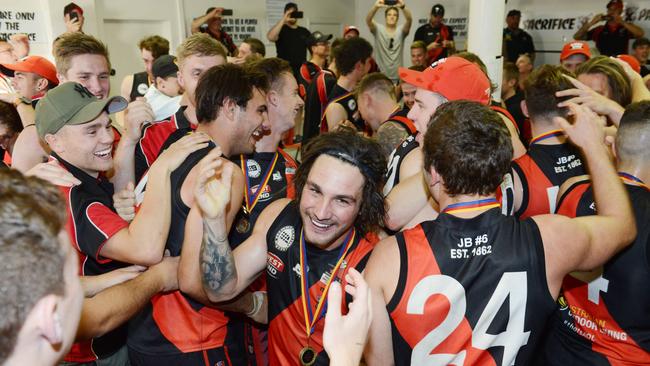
633,137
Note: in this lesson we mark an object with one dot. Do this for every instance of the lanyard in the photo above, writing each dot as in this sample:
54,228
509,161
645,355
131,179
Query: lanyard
546,135
310,319
472,205
250,198
632,180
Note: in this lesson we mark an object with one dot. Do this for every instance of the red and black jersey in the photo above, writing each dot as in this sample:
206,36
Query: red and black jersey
280,185
287,334
316,102
347,100
602,318
308,73
542,170
154,136
395,161
470,292
400,117
173,323
92,220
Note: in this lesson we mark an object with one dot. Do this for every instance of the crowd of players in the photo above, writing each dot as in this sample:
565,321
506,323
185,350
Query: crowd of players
415,221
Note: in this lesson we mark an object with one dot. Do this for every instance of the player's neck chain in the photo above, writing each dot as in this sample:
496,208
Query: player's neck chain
546,135
307,355
477,205
632,180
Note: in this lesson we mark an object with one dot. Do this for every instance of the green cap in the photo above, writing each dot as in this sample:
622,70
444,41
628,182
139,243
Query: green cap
72,104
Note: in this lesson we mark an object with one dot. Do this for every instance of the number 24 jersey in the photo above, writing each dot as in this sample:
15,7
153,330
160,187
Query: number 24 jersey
470,292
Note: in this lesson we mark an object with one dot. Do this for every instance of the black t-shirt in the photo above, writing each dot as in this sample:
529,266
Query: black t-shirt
513,105
292,46
610,41
517,42
428,33
644,70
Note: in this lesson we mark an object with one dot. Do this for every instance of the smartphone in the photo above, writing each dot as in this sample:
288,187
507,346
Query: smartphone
297,15
74,15
608,18
226,12
390,2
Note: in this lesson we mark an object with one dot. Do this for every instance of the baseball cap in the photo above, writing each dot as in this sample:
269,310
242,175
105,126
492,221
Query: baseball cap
573,48
34,64
454,78
350,28
615,3
72,7
514,12
72,104
633,62
164,66
438,9
317,37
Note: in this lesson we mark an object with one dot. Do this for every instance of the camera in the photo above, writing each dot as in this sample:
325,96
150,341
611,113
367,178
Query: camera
226,12
74,15
390,2
297,15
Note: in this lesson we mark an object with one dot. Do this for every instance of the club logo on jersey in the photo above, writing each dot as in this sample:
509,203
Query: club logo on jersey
561,301
266,194
254,169
297,271
142,88
274,265
592,206
327,274
352,104
277,176
284,238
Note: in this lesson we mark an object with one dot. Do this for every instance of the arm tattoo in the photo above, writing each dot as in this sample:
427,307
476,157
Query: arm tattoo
389,135
217,261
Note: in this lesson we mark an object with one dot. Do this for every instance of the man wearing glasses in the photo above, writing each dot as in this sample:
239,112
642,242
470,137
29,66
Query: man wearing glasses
389,38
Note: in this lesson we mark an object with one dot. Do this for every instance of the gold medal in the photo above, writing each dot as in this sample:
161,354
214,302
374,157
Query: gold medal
243,225
307,356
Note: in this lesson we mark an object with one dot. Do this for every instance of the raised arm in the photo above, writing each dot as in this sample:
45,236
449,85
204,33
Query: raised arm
581,34
144,240
587,242
198,22
274,33
408,18
371,15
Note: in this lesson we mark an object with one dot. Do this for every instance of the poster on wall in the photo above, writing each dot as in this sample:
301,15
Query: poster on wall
15,21
241,28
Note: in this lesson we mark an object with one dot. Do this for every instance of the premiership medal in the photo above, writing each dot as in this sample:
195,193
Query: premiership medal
250,197
308,355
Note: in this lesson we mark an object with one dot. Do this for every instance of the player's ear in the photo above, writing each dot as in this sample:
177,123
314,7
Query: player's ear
47,319
524,108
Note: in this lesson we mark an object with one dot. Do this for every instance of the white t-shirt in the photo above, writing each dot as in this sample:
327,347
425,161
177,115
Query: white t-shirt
389,50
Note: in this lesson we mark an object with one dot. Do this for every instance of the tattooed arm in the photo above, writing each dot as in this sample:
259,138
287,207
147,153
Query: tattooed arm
389,135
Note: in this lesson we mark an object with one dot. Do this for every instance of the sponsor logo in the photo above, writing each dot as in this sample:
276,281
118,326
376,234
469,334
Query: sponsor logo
254,169
297,270
266,193
274,265
284,238
352,104
142,88
277,176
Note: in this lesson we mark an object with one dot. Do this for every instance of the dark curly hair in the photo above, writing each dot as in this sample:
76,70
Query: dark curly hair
468,144
365,154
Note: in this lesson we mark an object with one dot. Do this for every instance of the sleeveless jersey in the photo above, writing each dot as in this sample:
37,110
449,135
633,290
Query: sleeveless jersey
287,334
306,75
154,136
470,292
315,103
140,85
602,318
400,117
395,162
173,323
347,100
542,170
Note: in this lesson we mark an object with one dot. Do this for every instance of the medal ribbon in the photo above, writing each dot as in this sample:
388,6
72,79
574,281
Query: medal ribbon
310,319
546,135
630,179
250,199
472,205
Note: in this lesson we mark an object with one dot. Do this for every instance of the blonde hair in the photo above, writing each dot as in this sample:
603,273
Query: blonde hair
199,44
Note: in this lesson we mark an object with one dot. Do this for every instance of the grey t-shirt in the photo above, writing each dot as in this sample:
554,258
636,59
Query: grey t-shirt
389,49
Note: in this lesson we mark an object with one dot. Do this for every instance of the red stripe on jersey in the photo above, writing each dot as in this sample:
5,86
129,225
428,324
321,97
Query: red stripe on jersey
505,112
187,329
107,222
154,136
406,122
593,318
287,334
432,324
290,167
537,186
571,198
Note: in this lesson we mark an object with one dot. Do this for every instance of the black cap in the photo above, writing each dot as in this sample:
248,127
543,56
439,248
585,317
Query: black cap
616,3
164,66
438,9
289,6
514,13
317,37
640,42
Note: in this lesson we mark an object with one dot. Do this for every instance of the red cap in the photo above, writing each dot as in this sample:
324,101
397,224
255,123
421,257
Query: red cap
633,62
615,3
350,28
34,64
574,48
454,78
